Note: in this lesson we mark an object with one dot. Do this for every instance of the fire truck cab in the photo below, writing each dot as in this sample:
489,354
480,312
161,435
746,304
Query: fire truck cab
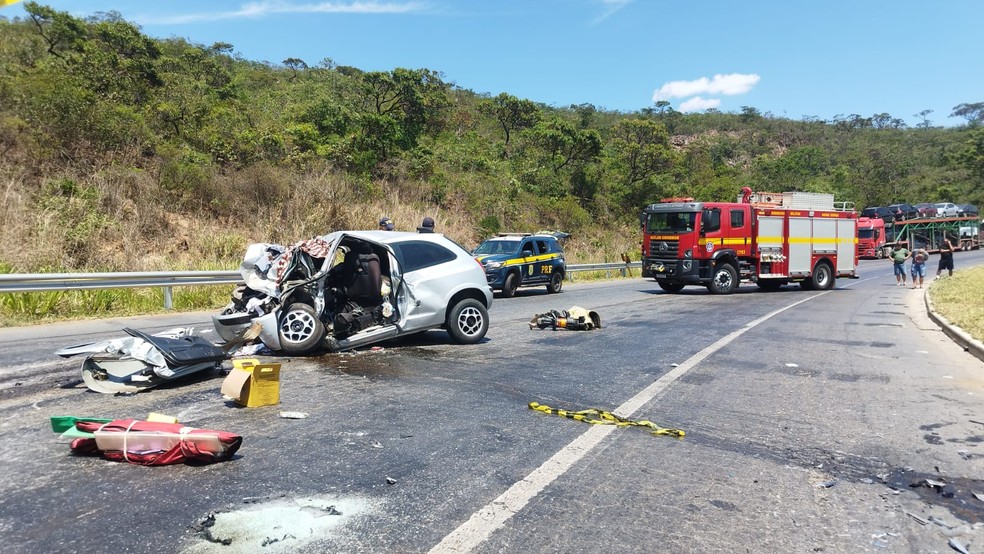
771,239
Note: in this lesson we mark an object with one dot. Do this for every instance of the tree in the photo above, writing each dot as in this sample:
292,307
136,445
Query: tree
512,114
416,99
973,156
642,148
295,65
564,145
924,116
750,114
973,113
886,121
59,30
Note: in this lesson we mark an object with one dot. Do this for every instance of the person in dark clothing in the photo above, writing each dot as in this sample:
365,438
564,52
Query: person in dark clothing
946,258
427,226
386,224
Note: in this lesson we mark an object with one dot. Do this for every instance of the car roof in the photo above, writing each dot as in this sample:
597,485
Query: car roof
391,237
521,236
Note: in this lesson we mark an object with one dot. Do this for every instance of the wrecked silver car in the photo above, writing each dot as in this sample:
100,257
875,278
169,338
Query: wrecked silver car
352,288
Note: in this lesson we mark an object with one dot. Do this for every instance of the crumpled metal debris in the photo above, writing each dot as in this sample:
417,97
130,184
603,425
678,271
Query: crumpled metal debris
956,545
574,319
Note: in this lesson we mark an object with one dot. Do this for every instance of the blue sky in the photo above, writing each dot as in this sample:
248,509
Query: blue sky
791,58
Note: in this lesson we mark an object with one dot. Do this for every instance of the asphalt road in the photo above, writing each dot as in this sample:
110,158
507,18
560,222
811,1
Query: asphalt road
815,422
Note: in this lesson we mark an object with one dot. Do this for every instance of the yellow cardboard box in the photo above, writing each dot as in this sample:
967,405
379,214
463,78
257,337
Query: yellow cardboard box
253,384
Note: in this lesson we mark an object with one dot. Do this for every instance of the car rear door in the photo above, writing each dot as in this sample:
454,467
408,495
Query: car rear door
428,271
544,263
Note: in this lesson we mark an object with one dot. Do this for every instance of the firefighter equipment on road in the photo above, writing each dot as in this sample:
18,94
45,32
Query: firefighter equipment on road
575,319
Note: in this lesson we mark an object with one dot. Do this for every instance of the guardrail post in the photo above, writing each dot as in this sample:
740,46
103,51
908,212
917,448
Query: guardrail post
168,303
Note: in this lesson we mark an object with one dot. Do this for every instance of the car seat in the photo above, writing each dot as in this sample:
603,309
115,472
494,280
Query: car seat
364,278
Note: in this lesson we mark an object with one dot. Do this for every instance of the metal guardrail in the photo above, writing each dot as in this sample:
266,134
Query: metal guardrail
46,282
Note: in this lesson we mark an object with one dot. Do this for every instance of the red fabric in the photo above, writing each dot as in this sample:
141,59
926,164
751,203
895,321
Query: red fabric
183,451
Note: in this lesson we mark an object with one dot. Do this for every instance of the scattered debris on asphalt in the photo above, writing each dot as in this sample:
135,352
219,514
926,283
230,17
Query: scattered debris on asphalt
574,319
955,544
142,361
918,519
253,384
602,417
293,415
152,443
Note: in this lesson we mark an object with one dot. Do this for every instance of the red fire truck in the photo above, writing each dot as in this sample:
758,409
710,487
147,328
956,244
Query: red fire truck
871,237
770,239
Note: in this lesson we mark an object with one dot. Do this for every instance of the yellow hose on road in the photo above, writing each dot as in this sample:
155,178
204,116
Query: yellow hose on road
602,417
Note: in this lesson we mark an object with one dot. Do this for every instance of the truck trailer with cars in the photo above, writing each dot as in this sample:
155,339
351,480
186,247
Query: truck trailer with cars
964,233
770,239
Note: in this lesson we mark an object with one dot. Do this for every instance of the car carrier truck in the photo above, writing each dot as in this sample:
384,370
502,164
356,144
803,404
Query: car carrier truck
770,239
964,232
871,237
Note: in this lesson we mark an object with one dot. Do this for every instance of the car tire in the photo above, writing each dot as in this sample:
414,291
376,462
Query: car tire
300,329
724,280
670,287
510,285
556,283
467,321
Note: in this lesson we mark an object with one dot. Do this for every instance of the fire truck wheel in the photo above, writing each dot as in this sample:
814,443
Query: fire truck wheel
725,279
509,287
823,277
670,287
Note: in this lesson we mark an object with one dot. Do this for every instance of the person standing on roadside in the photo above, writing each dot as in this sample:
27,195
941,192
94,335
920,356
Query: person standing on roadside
386,224
946,257
427,226
918,268
899,256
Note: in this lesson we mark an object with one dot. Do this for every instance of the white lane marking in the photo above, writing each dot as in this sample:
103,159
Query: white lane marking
495,514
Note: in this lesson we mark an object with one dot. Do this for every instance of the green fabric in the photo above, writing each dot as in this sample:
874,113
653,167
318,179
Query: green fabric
898,256
66,425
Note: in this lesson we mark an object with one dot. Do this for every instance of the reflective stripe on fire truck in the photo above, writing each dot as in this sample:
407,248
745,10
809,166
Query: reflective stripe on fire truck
725,241
806,240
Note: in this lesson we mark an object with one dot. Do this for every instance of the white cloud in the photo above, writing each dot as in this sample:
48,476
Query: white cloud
730,84
610,6
261,9
697,103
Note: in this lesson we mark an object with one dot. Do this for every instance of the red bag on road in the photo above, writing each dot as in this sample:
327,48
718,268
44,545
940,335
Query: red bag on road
152,443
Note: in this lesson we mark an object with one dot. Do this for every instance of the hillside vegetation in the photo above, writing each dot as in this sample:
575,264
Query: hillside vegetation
127,153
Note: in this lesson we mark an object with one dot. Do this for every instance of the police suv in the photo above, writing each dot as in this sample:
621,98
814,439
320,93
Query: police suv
513,260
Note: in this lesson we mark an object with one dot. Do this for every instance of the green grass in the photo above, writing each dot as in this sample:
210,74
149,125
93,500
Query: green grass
958,299
30,308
